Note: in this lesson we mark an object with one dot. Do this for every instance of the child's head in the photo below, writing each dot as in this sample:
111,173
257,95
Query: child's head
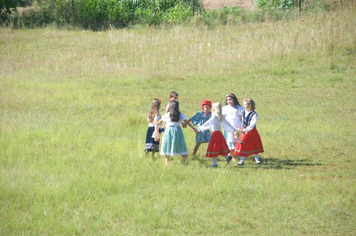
206,105
174,110
231,100
173,96
249,104
156,104
217,110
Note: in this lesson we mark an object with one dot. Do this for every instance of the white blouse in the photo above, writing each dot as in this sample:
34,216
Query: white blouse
155,119
233,115
215,124
166,118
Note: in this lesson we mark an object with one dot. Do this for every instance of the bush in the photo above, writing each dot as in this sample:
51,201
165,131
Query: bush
275,4
30,17
103,14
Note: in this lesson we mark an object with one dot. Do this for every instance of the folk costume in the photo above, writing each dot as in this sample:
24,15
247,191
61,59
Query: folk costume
250,137
233,115
217,145
151,145
173,142
198,120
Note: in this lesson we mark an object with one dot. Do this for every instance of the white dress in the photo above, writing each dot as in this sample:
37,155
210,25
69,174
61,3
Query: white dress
233,115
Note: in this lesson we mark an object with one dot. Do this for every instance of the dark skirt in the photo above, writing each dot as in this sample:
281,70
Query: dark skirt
151,145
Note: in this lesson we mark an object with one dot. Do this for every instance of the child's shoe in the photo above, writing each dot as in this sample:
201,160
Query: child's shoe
257,160
241,163
214,166
228,159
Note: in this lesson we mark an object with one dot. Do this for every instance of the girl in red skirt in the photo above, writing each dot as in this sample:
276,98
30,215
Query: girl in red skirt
251,140
217,145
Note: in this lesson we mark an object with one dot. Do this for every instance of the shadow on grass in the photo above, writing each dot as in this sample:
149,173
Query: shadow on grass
274,163
201,159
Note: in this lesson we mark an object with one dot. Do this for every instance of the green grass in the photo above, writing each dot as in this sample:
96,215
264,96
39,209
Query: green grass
73,108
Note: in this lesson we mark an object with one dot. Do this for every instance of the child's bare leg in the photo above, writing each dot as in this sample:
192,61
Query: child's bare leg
232,154
153,155
166,157
184,157
196,148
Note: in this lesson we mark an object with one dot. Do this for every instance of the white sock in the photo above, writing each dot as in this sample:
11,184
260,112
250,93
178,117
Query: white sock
243,159
257,158
215,162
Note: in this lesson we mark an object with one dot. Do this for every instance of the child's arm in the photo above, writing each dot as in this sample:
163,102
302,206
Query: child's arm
159,122
167,108
252,124
187,122
208,124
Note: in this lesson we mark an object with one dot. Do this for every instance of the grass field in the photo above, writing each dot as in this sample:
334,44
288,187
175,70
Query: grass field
73,123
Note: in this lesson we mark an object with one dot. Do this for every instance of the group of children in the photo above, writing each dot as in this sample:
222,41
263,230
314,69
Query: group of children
240,136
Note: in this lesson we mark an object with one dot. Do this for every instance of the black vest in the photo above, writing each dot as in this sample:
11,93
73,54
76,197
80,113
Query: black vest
247,120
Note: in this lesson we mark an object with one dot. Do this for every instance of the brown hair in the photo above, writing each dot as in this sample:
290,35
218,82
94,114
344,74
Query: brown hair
155,106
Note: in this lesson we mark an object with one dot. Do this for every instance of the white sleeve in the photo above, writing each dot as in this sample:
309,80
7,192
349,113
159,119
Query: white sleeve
182,116
252,123
166,117
227,126
208,123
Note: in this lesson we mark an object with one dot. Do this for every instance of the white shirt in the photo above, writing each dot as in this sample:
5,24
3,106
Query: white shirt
155,119
166,118
233,115
215,124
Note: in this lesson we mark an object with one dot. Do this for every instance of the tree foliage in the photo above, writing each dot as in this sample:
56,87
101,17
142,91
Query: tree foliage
7,6
276,4
120,13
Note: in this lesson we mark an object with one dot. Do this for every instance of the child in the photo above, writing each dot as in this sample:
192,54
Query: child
250,137
152,145
173,96
173,142
217,145
199,119
233,114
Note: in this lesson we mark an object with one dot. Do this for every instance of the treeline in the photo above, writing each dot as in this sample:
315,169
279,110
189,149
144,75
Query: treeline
103,14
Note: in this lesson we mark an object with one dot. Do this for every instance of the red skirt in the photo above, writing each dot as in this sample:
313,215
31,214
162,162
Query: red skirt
252,144
217,145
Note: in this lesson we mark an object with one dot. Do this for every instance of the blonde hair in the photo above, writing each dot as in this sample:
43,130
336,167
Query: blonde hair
216,110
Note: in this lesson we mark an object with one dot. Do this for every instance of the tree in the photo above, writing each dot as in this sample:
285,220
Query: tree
8,6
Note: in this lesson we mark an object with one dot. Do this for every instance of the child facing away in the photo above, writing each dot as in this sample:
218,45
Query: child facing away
199,119
250,137
152,144
217,145
233,114
173,142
